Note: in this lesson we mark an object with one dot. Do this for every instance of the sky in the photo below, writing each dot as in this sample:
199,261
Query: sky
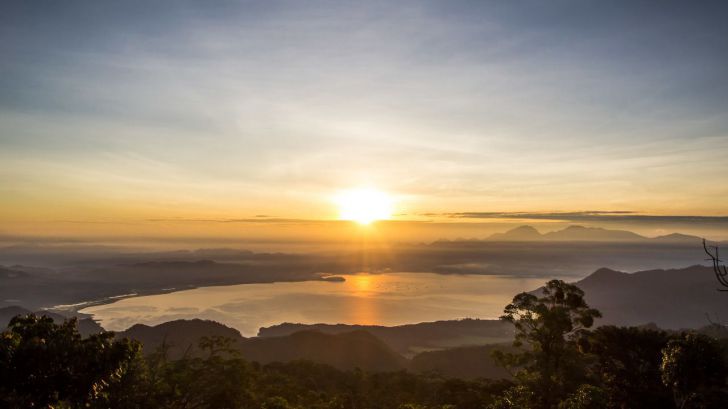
118,116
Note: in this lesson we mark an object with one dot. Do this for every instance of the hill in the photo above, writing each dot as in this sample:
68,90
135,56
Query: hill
342,348
469,362
7,313
86,326
672,299
12,273
180,337
348,350
413,338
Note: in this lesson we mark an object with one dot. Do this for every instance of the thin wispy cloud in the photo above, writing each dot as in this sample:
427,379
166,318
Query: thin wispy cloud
178,109
587,216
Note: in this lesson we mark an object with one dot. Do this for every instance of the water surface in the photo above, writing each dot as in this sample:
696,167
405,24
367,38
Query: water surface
381,299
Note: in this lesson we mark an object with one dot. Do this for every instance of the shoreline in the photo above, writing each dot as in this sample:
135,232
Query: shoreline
75,309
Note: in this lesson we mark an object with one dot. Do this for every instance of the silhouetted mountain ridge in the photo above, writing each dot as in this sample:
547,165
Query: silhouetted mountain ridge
522,233
671,298
86,326
179,336
10,273
466,362
582,233
347,350
413,338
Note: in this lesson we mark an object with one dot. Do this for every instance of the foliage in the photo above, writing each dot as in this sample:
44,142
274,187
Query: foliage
46,365
548,328
276,402
627,366
517,397
586,397
43,364
559,364
694,367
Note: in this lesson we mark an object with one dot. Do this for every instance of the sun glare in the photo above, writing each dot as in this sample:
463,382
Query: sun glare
364,205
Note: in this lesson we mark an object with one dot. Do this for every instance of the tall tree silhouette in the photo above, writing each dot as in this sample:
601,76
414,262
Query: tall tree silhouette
547,361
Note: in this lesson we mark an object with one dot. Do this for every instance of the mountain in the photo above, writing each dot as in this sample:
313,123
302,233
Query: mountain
581,233
678,238
8,313
342,348
592,234
522,233
348,350
467,362
413,338
12,273
191,273
78,278
86,326
42,288
672,299
180,337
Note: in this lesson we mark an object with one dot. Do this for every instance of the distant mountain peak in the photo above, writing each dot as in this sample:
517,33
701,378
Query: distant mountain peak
605,270
578,232
583,233
525,228
672,298
570,233
677,237
521,233
603,274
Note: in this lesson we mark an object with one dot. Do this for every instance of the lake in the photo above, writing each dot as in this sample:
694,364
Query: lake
371,299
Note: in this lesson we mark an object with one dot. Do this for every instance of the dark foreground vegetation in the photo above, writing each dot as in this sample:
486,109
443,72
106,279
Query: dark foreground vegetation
559,362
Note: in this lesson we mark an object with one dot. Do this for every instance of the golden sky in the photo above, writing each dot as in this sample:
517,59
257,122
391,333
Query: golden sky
118,120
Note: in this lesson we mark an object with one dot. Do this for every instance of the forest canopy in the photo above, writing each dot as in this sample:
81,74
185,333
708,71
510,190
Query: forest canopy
558,361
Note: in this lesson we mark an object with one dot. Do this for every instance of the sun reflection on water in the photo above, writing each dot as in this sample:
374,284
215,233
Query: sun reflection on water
362,284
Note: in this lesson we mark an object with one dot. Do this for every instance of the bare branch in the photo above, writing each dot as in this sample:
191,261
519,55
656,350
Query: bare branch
720,270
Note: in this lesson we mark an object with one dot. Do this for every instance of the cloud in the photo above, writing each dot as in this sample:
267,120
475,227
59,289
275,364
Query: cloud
264,105
257,219
588,216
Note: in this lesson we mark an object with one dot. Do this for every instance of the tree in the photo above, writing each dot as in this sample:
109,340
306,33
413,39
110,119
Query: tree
43,364
694,367
628,366
547,330
720,270
588,397
517,397
276,402
220,380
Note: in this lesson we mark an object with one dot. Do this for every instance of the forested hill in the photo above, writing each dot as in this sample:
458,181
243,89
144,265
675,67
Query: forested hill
413,338
344,350
204,364
86,326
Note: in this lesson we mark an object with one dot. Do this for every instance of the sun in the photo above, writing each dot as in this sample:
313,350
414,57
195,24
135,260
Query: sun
364,205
